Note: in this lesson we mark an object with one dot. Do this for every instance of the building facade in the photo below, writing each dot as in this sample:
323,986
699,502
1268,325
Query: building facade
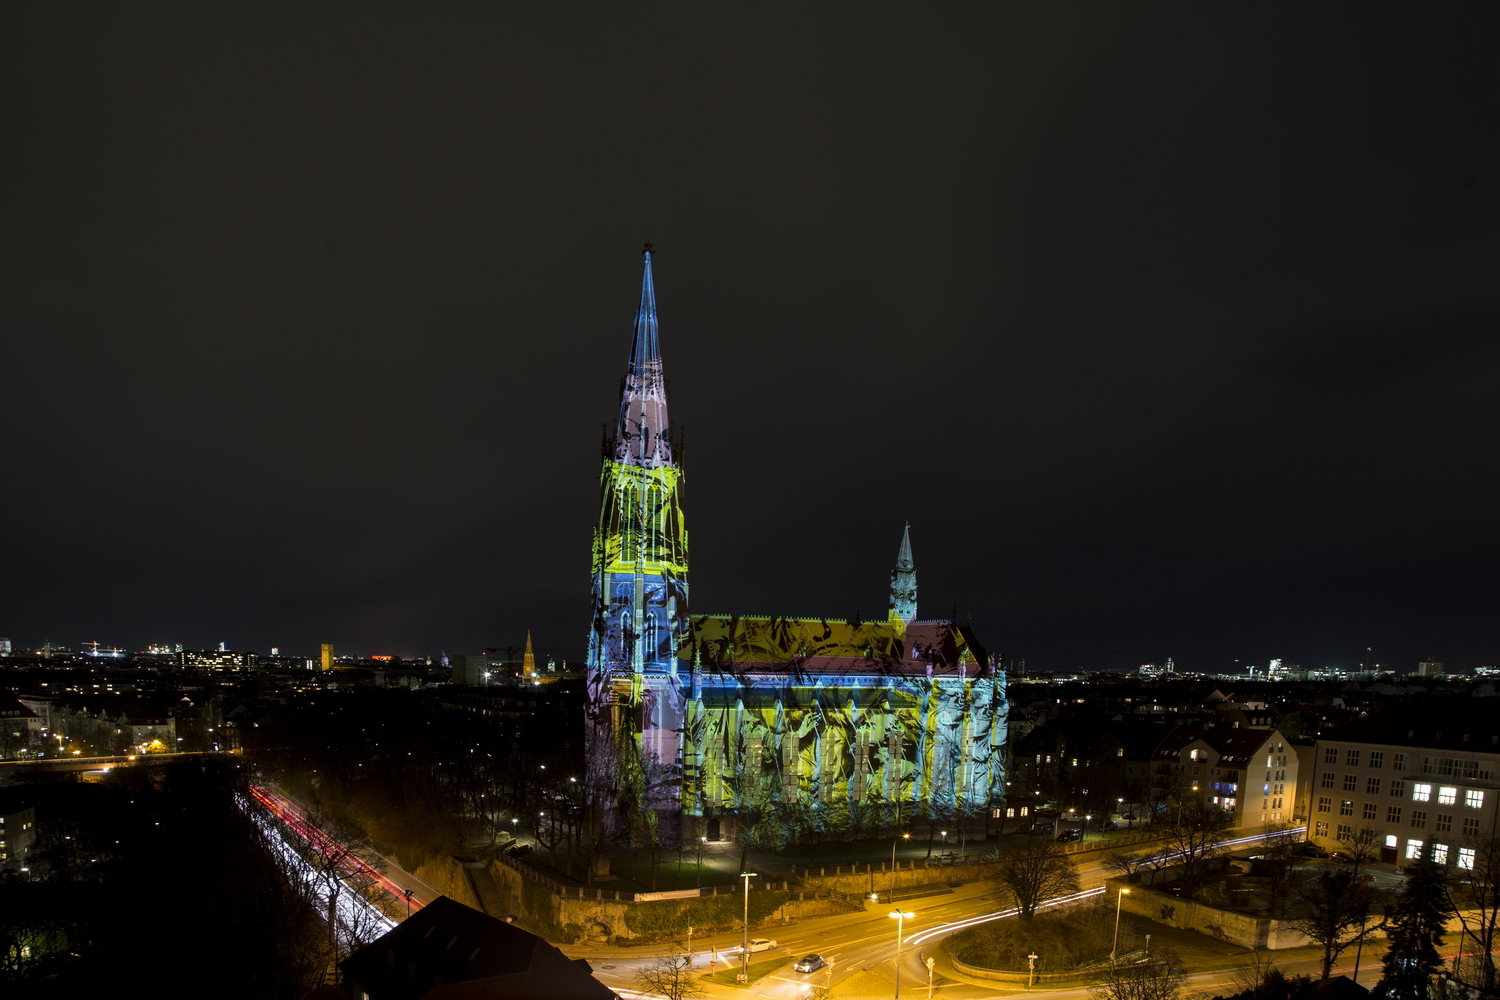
765,727
1410,779
1250,774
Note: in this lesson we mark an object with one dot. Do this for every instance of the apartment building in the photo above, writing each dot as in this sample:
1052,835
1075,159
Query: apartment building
1410,778
1249,773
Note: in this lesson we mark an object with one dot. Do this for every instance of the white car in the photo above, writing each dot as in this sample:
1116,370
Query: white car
760,944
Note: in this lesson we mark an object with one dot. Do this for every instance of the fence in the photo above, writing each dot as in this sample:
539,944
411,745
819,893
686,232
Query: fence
598,893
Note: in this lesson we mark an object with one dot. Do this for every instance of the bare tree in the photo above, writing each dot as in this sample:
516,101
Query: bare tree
1193,837
1124,864
1159,979
1278,863
1337,916
1035,871
1251,973
670,976
1473,888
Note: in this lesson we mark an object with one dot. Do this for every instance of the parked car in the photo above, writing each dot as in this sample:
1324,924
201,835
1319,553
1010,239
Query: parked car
1342,857
1074,834
761,944
809,963
1313,851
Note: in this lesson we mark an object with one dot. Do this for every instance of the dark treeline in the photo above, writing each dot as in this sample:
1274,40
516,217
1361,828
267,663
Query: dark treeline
424,773
157,868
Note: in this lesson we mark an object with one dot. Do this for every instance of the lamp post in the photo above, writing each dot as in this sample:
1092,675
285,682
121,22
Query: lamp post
1115,947
900,918
1031,969
702,846
745,941
690,946
904,836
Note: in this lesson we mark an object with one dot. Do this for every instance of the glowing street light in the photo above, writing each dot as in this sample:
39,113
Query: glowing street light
900,916
1119,898
904,836
745,940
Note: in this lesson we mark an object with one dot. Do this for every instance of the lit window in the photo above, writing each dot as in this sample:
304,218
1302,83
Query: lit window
1346,808
1414,850
1390,840
1440,853
1421,792
1447,796
1466,857
1321,830
1473,798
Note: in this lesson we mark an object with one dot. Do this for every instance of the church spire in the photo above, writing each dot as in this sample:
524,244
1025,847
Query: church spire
904,581
641,433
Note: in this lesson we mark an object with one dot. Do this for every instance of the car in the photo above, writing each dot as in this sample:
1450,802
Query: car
1343,857
1313,851
760,944
809,963
1067,835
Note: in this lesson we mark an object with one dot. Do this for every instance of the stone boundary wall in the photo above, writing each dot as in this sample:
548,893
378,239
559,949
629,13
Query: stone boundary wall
1004,976
1187,914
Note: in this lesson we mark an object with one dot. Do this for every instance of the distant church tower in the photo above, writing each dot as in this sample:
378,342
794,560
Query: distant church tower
640,585
904,582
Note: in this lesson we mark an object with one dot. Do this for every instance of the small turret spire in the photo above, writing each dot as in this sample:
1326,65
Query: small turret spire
904,581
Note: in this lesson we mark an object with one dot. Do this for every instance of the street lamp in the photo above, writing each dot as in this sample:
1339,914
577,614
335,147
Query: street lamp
745,941
1119,898
702,846
900,917
904,836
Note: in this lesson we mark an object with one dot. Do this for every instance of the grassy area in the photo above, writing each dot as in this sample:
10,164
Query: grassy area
757,970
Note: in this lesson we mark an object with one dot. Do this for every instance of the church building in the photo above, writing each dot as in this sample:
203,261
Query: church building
766,728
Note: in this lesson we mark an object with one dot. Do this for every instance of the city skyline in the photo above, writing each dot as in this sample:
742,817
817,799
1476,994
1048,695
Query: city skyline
1169,336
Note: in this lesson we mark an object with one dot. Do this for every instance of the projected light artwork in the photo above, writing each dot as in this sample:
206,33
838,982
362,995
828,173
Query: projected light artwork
766,728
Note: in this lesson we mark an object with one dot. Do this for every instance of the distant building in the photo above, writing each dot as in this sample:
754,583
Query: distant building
4,647
1428,668
326,652
17,831
447,949
215,660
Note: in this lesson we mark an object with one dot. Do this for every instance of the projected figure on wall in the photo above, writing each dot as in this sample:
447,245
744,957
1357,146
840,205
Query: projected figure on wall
765,728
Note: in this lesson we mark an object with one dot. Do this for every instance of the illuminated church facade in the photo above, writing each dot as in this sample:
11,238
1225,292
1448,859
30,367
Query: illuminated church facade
769,728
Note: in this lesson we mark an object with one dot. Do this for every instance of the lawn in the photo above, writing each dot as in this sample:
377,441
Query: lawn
757,970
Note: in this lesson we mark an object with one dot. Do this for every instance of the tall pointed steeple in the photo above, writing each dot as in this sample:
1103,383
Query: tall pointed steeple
528,659
904,581
641,433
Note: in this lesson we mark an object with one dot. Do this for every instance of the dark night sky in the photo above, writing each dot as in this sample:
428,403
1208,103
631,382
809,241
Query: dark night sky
1172,330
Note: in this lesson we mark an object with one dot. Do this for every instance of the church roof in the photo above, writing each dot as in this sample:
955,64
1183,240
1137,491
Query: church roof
749,644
